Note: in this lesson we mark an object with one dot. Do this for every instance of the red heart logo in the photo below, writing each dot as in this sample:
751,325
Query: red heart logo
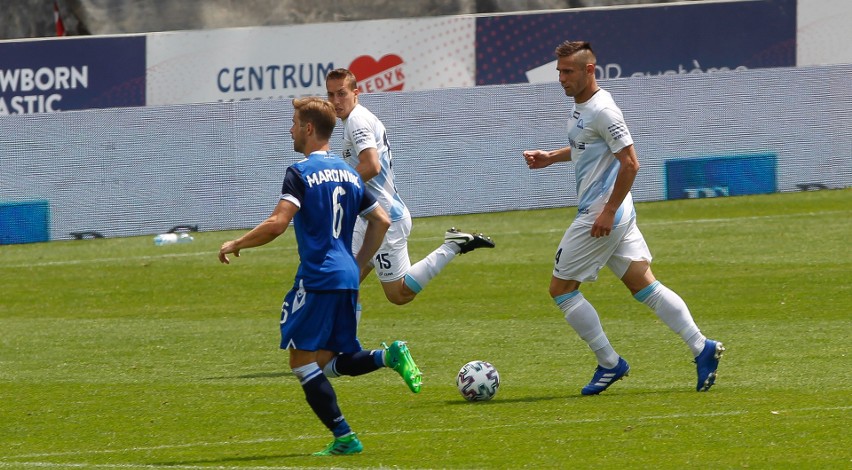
386,74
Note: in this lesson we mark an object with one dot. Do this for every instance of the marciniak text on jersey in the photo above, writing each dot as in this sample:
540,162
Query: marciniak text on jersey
338,176
44,79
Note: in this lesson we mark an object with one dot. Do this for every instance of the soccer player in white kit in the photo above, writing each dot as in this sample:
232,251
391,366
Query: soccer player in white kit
604,232
367,149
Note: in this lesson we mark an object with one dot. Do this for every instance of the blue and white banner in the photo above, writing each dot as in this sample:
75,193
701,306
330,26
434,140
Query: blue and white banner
734,175
283,62
59,74
71,73
629,42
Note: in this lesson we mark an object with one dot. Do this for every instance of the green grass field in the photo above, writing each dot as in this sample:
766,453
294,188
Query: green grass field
115,353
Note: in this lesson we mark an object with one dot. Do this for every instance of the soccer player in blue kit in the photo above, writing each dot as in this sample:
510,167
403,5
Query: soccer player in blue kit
604,232
324,196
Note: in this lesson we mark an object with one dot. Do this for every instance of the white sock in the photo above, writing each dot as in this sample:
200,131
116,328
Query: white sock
329,370
307,372
426,269
672,310
583,317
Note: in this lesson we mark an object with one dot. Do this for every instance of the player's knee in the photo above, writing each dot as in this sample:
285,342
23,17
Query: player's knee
554,293
398,293
399,298
561,287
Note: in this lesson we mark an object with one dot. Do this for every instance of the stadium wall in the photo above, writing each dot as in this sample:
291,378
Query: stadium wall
142,170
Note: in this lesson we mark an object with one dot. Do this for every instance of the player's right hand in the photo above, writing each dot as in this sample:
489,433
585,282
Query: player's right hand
536,159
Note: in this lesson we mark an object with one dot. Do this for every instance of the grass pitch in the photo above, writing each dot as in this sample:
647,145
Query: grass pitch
115,353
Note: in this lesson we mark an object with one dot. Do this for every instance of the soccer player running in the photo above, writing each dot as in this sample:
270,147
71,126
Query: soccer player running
604,231
366,148
323,197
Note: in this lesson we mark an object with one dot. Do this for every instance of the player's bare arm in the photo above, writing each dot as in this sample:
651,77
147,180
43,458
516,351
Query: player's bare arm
265,232
623,182
540,159
378,223
368,164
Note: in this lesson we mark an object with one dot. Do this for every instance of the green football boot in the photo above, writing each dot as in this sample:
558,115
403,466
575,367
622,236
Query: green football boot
398,358
346,445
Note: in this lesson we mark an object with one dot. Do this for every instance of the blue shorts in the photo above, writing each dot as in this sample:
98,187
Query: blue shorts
311,321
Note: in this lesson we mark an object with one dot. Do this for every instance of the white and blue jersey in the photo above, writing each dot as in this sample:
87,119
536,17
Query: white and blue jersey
363,130
330,196
596,130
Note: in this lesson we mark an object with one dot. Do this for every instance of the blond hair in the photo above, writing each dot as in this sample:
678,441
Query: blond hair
318,112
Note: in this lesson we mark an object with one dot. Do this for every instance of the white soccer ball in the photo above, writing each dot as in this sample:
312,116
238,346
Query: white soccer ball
478,381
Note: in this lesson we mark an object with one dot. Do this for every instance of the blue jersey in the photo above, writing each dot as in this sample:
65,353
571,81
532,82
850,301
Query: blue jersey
330,196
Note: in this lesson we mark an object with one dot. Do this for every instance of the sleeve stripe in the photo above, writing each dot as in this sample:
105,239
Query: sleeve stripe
370,209
291,198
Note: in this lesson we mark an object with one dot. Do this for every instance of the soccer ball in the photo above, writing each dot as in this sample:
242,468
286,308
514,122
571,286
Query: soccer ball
478,381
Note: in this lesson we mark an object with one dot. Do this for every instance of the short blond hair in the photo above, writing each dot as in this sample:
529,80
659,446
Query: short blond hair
317,111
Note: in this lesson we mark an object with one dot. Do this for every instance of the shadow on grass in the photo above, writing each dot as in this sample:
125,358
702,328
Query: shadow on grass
499,401
248,458
613,394
256,375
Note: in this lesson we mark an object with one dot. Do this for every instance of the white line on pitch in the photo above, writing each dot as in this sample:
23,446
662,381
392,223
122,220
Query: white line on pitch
130,466
4,461
560,229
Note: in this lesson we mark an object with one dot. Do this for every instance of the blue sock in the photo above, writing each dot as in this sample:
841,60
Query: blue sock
322,399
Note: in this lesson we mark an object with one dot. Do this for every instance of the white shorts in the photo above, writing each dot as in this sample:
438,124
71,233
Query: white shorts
580,257
391,262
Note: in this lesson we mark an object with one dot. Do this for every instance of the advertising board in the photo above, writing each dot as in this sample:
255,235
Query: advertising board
289,61
71,73
735,175
694,38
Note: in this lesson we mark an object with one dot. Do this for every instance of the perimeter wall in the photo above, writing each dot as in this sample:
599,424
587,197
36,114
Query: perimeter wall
135,134
143,170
